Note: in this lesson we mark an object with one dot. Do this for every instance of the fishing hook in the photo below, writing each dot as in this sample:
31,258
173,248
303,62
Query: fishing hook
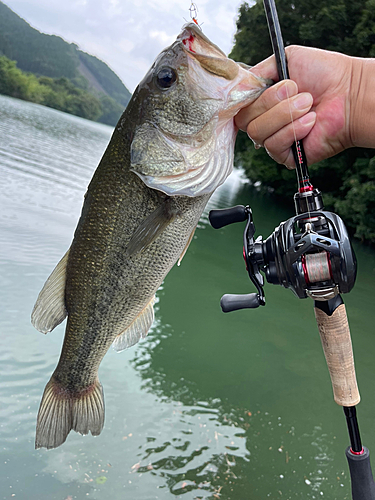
194,13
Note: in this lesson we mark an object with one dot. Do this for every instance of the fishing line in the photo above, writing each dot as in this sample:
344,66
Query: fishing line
291,114
279,51
282,68
304,185
297,144
193,9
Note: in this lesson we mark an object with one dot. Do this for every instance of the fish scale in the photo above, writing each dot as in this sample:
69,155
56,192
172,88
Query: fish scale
134,226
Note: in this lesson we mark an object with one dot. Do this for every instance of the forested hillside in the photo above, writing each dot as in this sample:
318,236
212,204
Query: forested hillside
348,179
51,56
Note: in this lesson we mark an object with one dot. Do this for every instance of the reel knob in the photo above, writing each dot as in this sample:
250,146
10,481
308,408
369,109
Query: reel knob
231,302
226,216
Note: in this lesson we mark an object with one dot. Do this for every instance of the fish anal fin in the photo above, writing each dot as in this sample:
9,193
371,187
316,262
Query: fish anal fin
61,411
49,310
186,246
137,330
151,228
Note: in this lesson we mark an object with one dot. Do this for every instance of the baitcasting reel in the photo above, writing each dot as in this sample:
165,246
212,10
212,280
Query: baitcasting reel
310,253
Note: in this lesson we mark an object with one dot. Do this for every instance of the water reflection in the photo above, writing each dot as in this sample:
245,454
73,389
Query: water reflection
217,449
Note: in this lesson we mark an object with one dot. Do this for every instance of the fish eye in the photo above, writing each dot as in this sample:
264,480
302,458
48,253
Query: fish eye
165,78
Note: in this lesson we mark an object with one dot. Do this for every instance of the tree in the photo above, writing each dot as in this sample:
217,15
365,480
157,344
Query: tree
111,110
346,26
57,93
52,57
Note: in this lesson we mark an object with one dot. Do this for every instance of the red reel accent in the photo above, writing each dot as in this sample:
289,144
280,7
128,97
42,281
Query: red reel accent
244,258
357,452
304,267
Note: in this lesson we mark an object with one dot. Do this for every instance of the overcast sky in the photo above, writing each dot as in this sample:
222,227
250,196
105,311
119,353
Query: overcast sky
127,34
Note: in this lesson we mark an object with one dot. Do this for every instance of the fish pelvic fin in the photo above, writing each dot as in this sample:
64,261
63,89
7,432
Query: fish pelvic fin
49,310
61,411
186,247
137,330
152,227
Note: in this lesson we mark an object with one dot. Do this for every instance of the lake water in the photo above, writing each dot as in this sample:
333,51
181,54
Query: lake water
208,406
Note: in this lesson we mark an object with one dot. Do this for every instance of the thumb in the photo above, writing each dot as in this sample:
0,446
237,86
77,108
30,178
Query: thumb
266,69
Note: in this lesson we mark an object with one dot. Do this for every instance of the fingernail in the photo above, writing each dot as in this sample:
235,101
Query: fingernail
286,90
308,119
303,101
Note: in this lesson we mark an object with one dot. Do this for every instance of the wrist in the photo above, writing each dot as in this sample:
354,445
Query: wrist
362,103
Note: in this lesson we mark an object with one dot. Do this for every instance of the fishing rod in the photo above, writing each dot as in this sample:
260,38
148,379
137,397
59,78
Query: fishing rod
311,255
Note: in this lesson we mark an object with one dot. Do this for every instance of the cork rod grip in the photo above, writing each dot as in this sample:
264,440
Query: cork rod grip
337,346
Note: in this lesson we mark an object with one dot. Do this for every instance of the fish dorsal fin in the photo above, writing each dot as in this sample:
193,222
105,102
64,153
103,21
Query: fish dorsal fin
186,247
49,310
137,330
151,227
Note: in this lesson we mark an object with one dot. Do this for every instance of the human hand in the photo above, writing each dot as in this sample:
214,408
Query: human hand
317,97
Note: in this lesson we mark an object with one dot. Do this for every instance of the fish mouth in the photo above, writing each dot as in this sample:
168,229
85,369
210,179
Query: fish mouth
210,57
195,41
241,84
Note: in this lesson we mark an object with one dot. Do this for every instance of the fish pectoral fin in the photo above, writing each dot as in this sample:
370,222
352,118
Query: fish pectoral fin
186,246
49,310
151,228
137,330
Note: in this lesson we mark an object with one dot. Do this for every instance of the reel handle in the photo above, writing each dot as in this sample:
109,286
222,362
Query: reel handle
226,216
337,346
231,302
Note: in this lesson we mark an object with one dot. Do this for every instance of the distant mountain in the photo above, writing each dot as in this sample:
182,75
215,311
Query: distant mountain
51,56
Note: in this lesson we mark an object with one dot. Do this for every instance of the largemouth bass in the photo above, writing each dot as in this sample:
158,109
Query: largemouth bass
172,147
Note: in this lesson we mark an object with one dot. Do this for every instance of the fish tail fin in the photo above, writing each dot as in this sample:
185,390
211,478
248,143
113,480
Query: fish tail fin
61,411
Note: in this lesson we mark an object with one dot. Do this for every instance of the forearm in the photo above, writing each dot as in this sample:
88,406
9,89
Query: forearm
362,103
